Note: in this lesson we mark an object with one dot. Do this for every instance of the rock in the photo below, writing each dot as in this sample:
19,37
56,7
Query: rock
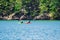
37,17
15,18
23,17
5,18
42,17
1,18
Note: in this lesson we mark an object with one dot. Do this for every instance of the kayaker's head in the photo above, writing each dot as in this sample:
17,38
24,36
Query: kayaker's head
29,21
21,21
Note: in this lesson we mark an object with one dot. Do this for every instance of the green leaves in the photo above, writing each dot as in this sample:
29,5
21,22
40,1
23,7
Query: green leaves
32,7
18,5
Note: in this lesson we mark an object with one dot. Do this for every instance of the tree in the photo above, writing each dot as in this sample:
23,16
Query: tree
31,6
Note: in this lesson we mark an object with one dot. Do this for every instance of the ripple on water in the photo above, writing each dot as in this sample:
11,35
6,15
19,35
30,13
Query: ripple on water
34,31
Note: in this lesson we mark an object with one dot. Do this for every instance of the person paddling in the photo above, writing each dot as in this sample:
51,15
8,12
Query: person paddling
28,22
21,21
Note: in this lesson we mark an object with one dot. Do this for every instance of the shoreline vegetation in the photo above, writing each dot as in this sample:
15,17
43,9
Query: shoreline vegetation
29,9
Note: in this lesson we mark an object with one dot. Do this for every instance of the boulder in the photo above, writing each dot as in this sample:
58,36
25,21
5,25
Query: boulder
42,17
1,17
37,17
15,18
23,17
5,18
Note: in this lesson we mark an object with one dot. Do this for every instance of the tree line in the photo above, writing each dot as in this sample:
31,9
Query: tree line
31,8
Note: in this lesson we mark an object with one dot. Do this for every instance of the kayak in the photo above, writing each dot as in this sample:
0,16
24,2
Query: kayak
27,22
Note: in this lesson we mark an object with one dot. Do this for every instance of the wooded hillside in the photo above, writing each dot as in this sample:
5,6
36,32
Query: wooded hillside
30,9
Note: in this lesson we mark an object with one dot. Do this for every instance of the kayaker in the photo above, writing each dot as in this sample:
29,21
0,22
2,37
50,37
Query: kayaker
21,21
28,22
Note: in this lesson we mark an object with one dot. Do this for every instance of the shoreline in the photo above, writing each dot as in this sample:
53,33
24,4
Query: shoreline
30,20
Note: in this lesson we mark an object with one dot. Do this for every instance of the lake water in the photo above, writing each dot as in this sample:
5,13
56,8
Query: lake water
36,30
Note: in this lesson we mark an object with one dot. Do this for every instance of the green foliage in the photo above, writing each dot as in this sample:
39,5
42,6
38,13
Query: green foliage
6,5
31,7
18,5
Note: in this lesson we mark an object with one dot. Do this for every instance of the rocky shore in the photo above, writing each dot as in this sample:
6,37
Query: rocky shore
14,16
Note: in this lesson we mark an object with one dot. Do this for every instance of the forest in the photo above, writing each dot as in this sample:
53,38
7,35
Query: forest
29,9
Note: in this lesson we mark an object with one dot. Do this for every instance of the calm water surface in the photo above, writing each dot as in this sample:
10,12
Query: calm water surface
36,30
